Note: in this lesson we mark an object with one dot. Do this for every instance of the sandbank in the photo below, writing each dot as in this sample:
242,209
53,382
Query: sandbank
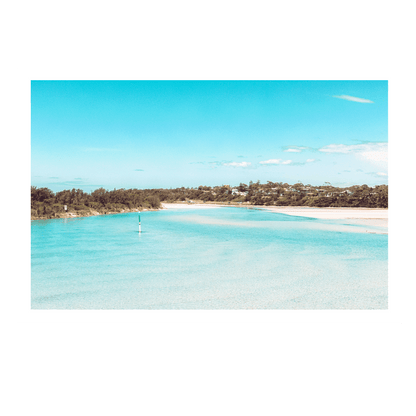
187,206
311,212
333,213
373,217
368,217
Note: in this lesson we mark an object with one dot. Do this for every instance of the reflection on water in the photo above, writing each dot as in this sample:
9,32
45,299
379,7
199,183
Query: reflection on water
225,258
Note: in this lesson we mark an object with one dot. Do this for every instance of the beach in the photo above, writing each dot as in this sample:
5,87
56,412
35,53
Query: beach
90,213
377,217
190,206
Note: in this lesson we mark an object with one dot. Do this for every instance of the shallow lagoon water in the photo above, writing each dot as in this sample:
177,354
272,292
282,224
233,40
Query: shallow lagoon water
223,258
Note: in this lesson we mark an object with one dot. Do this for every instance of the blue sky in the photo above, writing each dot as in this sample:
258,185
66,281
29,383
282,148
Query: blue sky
162,134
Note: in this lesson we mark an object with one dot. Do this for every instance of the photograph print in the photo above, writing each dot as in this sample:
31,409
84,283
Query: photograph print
209,195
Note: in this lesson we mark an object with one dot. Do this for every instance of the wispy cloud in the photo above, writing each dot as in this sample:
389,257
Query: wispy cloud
355,99
295,149
216,163
382,174
72,183
303,163
375,152
238,164
276,162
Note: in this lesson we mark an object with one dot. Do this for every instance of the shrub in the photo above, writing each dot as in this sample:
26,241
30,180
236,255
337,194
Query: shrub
57,207
94,205
154,201
80,207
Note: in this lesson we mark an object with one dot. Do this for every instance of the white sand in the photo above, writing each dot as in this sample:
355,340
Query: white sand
323,213
187,206
333,213
377,217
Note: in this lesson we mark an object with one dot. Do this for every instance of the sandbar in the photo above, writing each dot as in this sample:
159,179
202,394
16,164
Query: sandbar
334,213
187,206
372,217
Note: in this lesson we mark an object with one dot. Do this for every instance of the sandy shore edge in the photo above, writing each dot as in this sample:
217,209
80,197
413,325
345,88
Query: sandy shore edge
376,217
91,213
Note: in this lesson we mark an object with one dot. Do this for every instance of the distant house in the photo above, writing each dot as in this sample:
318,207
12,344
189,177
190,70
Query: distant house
235,191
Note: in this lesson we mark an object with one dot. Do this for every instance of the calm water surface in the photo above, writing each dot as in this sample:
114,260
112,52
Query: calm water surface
222,258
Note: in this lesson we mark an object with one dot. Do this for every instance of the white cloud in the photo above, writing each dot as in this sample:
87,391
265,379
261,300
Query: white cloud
295,149
238,164
381,174
376,152
375,155
355,99
336,148
310,160
276,162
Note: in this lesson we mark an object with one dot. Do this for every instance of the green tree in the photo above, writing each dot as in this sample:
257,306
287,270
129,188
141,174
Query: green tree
154,201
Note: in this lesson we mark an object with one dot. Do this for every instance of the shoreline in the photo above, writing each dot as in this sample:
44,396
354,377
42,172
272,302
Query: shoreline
373,217
369,217
334,213
311,212
92,214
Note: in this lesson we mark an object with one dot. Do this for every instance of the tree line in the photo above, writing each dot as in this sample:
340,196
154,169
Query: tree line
282,194
47,204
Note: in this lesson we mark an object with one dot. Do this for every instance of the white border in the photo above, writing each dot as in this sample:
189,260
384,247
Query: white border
24,316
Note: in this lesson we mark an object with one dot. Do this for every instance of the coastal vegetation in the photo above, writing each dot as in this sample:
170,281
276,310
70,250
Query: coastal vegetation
47,204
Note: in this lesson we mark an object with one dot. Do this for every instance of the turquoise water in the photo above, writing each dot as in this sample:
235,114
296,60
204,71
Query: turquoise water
222,258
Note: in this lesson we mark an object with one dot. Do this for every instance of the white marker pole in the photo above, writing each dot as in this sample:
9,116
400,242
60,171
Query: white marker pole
140,225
